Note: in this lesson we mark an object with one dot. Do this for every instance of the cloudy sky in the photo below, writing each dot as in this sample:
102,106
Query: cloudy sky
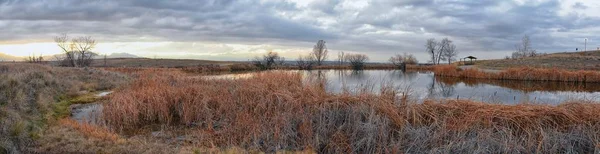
241,29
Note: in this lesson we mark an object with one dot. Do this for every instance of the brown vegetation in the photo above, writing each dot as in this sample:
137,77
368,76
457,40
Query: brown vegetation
522,73
278,111
568,60
157,63
32,96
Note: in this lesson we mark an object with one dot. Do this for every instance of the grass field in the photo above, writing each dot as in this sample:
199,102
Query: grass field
33,97
147,62
589,60
520,73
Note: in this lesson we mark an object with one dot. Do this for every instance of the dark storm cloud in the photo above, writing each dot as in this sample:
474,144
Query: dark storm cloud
378,26
171,20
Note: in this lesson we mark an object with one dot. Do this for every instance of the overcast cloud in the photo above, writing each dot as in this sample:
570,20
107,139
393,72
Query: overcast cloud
238,29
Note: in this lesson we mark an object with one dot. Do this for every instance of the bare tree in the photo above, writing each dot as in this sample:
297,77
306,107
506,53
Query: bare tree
83,46
443,47
78,52
357,61
34,59
524,49
306,62
399,60
320,52
431,47
67,49
341,58
450,53
410,59
268,61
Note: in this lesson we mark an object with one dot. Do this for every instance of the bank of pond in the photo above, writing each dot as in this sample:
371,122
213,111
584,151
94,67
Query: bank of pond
426,85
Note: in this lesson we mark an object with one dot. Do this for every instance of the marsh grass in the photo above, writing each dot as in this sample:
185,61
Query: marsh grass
33,96
276,111
520,73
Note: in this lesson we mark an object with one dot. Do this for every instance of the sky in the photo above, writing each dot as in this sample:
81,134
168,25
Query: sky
242,29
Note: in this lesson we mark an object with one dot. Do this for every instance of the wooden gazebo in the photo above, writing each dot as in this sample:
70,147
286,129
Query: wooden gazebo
470,58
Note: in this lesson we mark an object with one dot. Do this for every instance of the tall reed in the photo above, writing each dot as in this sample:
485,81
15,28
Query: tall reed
278,111
522,73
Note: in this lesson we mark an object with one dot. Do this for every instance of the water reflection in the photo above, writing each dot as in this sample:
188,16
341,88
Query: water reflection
424,85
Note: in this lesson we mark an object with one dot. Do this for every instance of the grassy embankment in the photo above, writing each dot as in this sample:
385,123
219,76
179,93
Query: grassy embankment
589,60
33,98
277,111
520,73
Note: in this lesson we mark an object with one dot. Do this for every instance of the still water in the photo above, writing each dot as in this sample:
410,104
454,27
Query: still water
424,85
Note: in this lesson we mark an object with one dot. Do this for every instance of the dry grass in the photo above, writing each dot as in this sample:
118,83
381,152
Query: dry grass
277,111
522,73
32,96
567,60
156,63
89,130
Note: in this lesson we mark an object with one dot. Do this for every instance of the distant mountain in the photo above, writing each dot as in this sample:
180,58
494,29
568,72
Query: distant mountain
113,55
5,57
120,55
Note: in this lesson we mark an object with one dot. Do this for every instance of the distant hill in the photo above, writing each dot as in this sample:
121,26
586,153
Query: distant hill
111,56
119,55
5,57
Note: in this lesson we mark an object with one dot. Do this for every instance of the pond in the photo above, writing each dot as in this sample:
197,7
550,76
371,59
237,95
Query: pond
424,85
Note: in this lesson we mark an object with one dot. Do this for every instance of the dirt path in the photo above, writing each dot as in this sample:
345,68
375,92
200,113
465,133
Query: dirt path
481,69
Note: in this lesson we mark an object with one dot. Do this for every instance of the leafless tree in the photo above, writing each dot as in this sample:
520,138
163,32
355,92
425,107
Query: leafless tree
399,60
431,48
35,59
83,46
357,61
320,52
450,53
524,49
341,58
306,62
78,52
268,61
67,48
280,61
442,48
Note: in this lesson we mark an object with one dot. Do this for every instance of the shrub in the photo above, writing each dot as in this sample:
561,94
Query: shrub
357,61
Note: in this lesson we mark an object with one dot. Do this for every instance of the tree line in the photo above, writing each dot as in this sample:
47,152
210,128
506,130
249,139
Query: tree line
77,52
440,51
317,57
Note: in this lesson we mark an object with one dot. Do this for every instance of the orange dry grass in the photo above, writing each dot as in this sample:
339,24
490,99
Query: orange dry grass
523,73
89,130
524,118
276,110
